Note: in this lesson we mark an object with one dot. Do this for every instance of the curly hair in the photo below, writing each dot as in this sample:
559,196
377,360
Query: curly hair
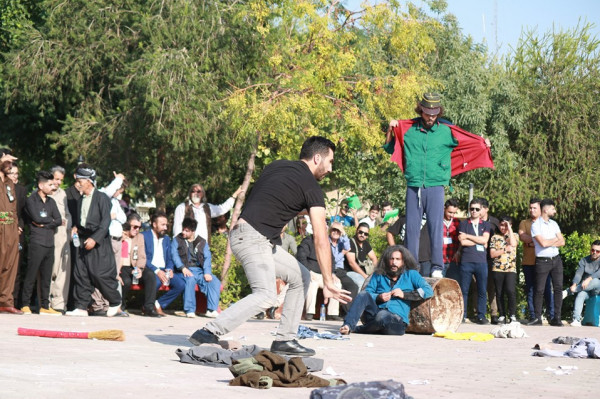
409,261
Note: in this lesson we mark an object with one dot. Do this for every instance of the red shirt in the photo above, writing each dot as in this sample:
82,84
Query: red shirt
450,232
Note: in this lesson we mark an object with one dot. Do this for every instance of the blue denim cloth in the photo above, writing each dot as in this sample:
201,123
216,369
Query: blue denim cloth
480,271
176,287
593,288
529,272
425,268
357,278
429,200
211,289
451,270
374,319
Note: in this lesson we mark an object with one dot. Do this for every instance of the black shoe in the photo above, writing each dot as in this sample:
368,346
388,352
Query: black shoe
535,322
260,316
483,321
309,316
556,323
271,313
335,318
495,320
98,313
203,336
290,348
150,313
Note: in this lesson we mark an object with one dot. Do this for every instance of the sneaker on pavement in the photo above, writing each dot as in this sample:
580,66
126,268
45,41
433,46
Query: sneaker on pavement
565,294
211,313
575,323
190,315
513,319
77,313
113,310
49,312
501,320
26,310
437,274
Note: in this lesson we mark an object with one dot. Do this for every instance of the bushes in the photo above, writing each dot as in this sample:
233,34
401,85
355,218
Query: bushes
237,284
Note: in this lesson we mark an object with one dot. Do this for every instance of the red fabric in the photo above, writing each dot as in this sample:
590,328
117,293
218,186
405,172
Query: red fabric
471,152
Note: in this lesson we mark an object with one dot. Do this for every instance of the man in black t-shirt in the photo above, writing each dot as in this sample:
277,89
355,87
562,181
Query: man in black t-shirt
360,256
283,190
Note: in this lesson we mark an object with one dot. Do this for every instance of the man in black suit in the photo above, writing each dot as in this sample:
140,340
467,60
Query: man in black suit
21,195
95,265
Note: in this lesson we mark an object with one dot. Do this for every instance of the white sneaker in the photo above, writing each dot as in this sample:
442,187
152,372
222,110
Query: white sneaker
565,294
575,323
190,315
437,274
513,319
501,320
113,310
211,313
77,313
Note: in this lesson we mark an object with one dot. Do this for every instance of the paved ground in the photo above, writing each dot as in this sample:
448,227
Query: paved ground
145,364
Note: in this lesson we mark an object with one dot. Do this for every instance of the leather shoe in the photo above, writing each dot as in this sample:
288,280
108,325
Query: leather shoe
495,320
10,309
482,321
535,322
290,348
203,336
271,312
150,312
556,323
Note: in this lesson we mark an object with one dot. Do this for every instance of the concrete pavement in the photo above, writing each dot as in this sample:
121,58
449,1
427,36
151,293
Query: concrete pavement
146,365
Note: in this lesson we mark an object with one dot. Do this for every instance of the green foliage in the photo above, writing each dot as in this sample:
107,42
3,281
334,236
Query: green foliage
237,284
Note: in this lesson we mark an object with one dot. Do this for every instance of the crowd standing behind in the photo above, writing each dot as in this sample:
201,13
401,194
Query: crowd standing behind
80,274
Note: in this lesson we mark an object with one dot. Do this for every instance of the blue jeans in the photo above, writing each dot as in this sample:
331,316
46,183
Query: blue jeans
211,289
480,271
357,278
593,288
451,270
263,262
176,287
429,200
529,272
425,268
374,319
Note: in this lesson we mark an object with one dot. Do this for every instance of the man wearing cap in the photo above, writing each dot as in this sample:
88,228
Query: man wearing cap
95,265
9,235
429,151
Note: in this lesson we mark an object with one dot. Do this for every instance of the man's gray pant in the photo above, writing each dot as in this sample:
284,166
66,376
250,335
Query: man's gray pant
263,262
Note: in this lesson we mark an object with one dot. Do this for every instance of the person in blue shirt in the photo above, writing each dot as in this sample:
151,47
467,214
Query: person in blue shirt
384,305
345,219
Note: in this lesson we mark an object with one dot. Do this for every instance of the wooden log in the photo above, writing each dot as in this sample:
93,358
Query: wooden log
442,312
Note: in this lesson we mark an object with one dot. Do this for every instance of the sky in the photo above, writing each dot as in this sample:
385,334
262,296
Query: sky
477,18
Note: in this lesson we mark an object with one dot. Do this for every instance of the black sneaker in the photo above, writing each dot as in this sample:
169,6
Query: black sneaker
203,336
290,348
556,323
260,316
271,313
483,321
495,320
535,322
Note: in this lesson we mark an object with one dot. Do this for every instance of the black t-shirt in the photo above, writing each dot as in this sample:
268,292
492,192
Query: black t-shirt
424,242
360,253
284,189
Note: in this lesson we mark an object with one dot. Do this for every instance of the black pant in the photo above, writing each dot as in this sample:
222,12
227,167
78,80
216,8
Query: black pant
39,259
543,267
347,284
148,279
506,283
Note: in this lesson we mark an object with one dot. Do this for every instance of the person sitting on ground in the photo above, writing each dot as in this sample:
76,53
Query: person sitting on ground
384,305
503,250
192,257
371,219
586,281
360,259
307,255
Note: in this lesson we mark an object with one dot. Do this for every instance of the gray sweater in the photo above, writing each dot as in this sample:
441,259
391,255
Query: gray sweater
587,268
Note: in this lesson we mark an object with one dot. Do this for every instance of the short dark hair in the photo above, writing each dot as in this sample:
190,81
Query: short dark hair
385,203
546,202
534,200
374,208
134,216
484,202
451,202
476,201
189,223
363,224
156,215
506,218
596,243
44,176
316,145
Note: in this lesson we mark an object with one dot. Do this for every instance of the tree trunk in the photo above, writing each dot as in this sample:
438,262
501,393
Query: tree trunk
238,208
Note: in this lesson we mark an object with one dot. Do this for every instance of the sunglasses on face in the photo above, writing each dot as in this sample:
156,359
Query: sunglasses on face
336,231
135,227
196,191
364,233
595,251
475,209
